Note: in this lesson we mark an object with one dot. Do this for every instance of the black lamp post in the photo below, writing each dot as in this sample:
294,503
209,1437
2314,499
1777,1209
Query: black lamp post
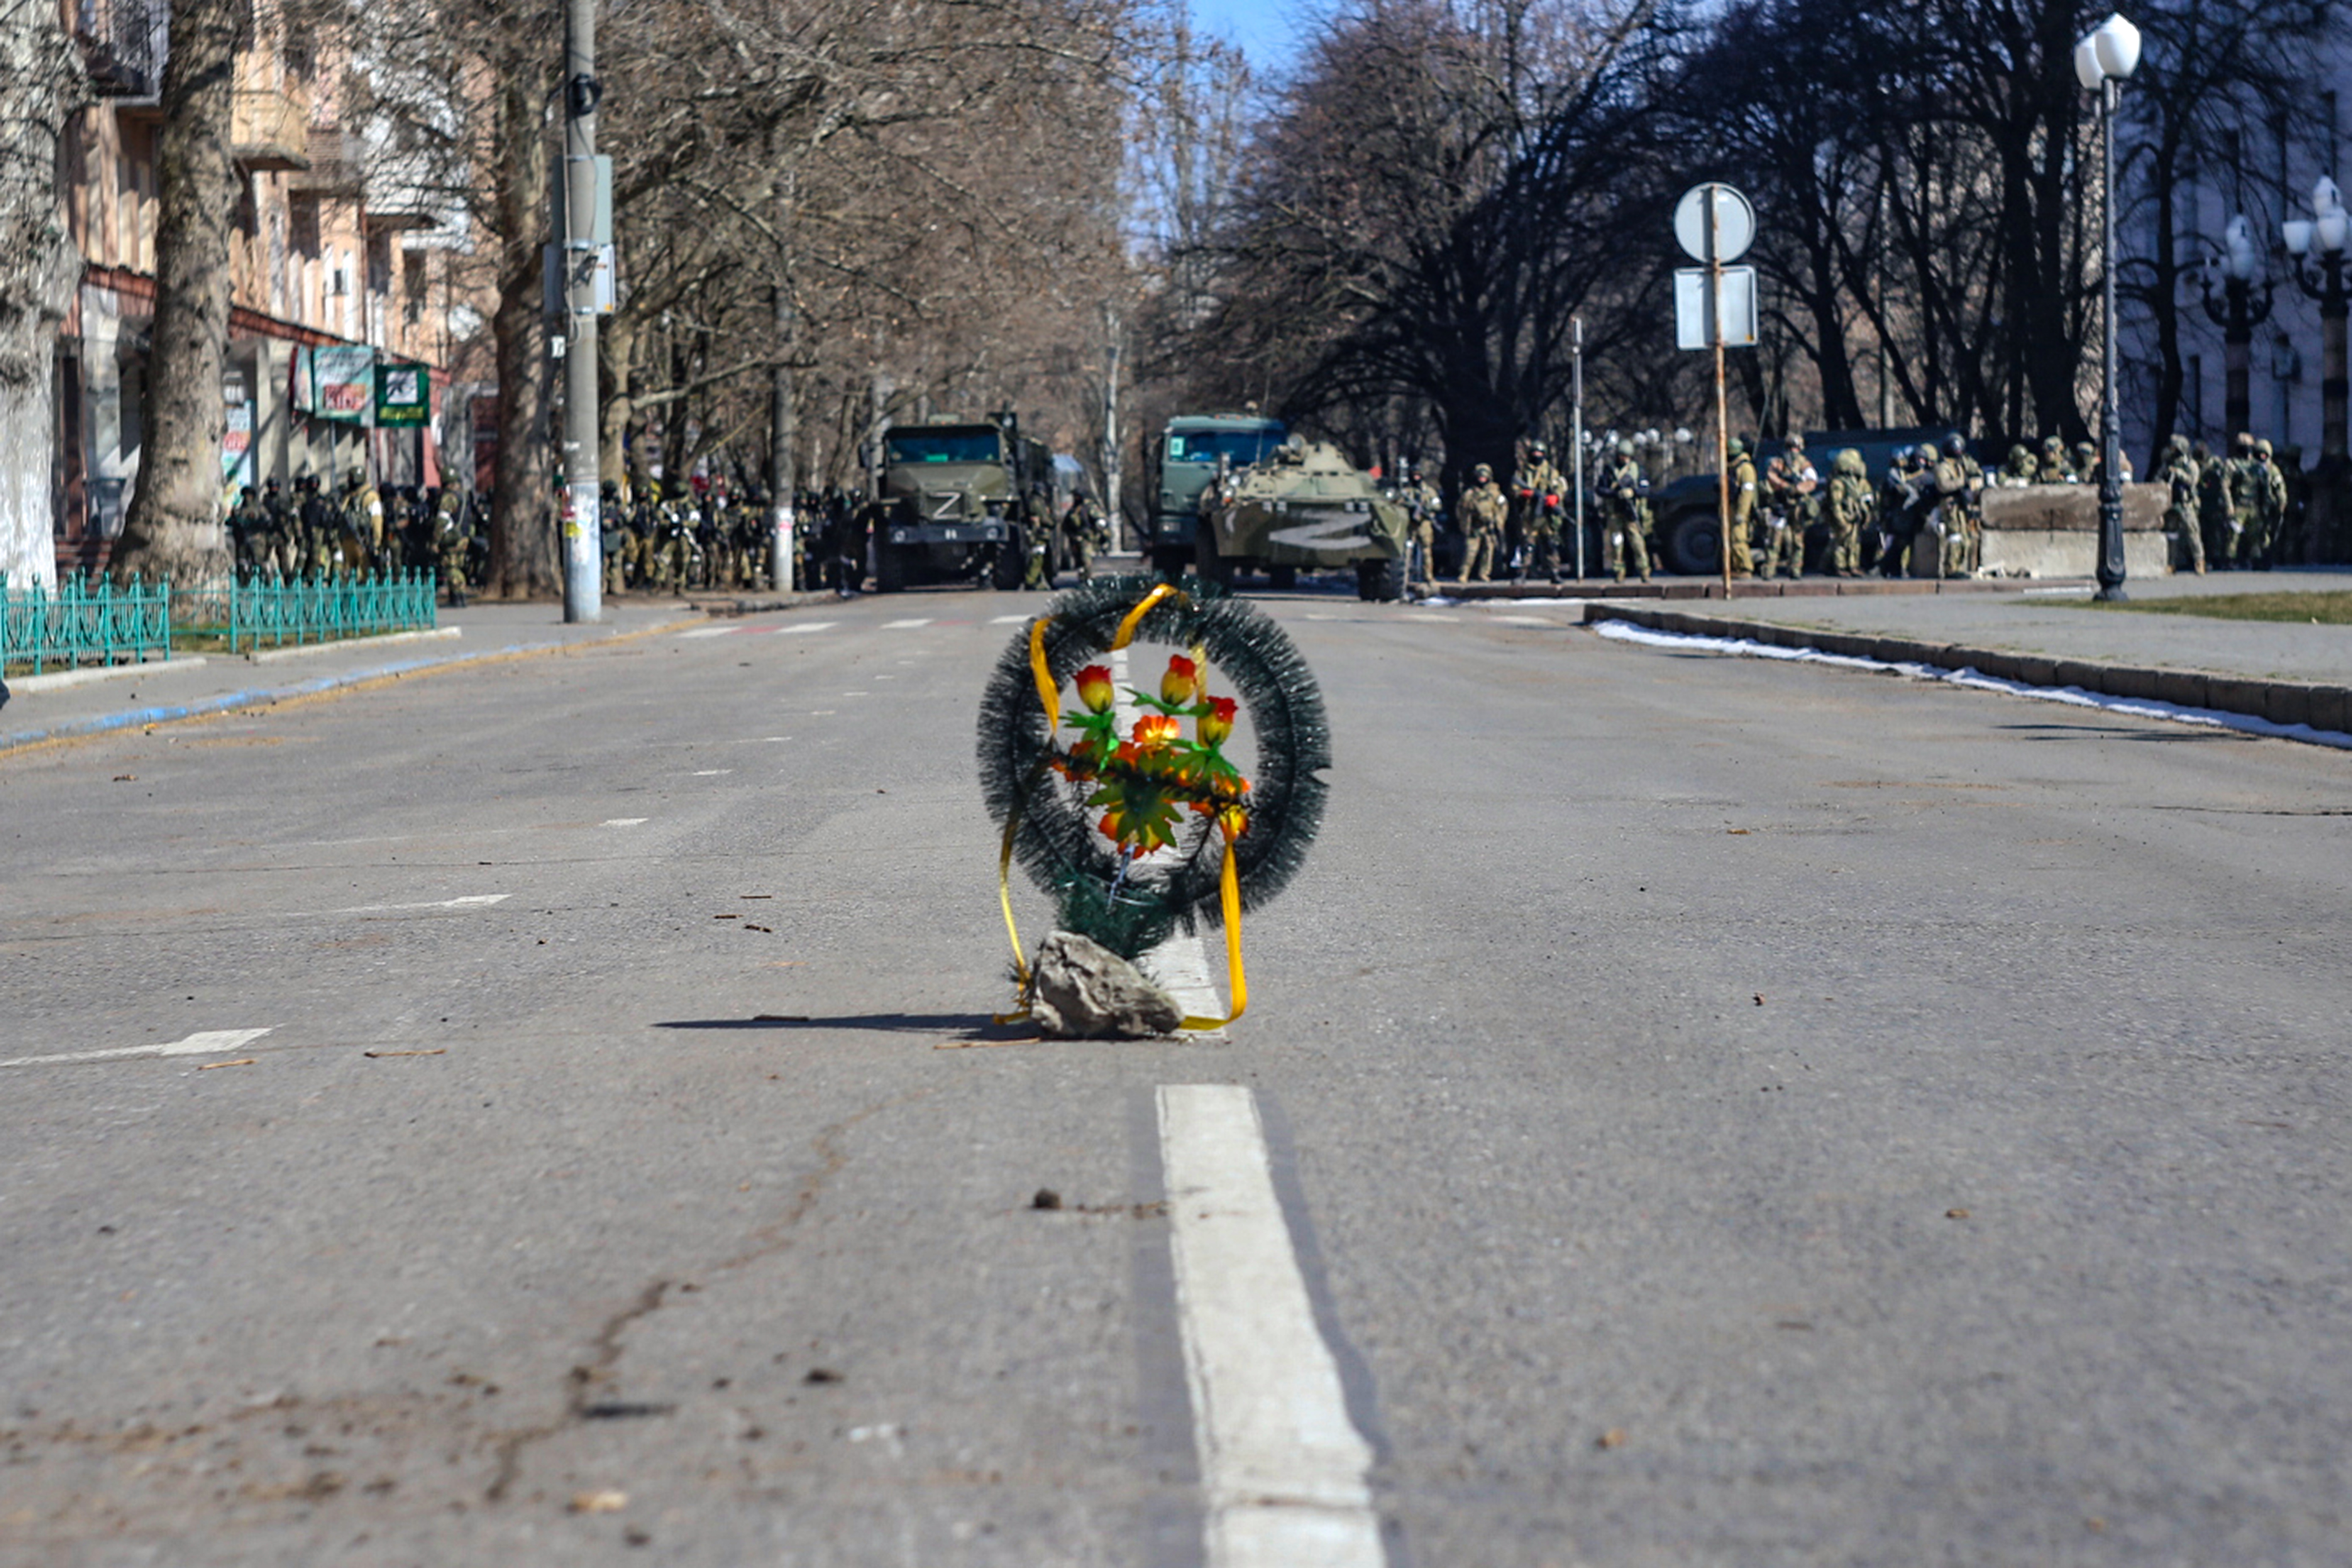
2237,313
2317,246
2106,56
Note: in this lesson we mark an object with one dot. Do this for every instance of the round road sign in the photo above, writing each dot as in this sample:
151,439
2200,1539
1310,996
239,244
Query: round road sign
1734,222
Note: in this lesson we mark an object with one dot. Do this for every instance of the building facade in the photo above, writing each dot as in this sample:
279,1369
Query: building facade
352,289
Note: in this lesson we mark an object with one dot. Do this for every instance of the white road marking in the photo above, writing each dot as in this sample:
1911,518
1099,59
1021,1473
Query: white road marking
470,902
204,1042
710,632
624,822
1180,967
1011,620
798,626
1283,1467
1525,621
711,772
1446,620
906,625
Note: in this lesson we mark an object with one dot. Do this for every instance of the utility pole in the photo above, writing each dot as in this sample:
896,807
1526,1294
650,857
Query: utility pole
583,523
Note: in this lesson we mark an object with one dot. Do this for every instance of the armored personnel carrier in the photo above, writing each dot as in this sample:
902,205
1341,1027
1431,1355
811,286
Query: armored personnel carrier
1307,507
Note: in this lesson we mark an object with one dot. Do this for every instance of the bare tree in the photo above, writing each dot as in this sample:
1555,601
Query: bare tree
172,527
41,85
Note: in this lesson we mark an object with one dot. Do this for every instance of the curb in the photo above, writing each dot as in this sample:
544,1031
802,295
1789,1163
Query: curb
62,679
730,607
2284,702
1748,588
266,696
386,639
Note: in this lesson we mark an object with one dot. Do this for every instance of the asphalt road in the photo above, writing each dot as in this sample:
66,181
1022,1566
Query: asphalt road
1723,1114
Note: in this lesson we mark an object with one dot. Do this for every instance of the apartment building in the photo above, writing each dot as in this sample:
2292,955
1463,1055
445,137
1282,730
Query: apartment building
353,296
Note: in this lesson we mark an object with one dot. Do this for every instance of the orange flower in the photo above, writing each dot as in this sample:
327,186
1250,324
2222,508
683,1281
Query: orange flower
1218,721
1155,732
1094,688
1183,682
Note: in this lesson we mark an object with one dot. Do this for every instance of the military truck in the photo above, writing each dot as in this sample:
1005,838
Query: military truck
960,502
1309,507
1185,459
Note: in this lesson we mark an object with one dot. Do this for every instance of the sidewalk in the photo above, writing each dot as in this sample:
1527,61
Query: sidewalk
2281,671
210,683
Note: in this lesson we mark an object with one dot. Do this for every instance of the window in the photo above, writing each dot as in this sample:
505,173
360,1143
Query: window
1242,446
973,444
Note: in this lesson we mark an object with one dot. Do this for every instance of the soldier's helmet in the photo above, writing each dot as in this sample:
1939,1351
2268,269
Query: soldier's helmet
1536,450
1849,462
2179,443
2085,449
1955,445
2262,447
357,476
1926,453
1625,447
1796,443
1736,447
2018,455
2244,442
2201,451
1412,473
2053,447
1482,473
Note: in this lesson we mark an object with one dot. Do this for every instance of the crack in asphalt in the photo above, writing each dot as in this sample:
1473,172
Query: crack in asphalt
605,1346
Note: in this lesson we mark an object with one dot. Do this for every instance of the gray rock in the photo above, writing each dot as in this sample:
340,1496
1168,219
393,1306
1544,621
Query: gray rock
1085,991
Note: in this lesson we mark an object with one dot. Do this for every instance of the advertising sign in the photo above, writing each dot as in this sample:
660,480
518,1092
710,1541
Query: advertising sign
237,439
403,396
343,378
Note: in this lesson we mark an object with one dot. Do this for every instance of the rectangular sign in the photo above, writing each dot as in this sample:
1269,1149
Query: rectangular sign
237,439
342,379
403,396
1693,328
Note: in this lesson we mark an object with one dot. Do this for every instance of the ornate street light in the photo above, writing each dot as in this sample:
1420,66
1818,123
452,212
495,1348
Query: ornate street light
2317,246
2237,313
2103,59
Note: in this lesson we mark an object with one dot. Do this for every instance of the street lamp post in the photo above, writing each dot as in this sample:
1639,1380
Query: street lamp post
2103,59
2316,245
2237,314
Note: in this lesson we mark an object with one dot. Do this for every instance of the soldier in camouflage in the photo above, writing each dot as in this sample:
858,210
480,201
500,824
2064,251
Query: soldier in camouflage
1852,512
2179,478
1538,489
1625,515
1483,510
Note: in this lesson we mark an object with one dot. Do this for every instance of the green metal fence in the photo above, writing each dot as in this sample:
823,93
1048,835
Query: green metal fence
320,609
93,622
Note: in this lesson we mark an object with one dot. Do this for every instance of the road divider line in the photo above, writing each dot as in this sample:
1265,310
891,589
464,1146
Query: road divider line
624,822
709,632
1283,1468
204,1042
804,627
906,625
470,902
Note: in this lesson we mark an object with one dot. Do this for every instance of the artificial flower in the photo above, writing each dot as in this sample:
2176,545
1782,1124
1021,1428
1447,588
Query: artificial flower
1095,688
1181,684
1217,724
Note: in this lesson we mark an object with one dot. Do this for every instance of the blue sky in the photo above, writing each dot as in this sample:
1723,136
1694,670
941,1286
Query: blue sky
1266,30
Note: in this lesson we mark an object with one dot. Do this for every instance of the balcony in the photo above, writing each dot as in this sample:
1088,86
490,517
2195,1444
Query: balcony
331,164
267,130
125,43
402,194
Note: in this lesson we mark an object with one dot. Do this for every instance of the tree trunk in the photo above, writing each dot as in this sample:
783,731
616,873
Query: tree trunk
783,434
173,526
616,342
523,560
41,84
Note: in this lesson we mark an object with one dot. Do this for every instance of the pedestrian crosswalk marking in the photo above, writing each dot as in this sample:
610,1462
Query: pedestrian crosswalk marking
906,625
710,632
806,627
624,822
468,902
1011,621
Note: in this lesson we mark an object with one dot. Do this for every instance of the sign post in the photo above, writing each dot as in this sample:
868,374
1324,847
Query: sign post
1576,404
1714,224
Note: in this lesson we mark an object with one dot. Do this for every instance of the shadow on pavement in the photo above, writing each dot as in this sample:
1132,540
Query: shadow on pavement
967,1025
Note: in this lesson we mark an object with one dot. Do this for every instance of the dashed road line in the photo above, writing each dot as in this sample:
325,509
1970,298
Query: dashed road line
711,632
711,772
1442,620
1525,621
204,1042
624,822
1011,620
1284,1469
799,626
469,902
907,626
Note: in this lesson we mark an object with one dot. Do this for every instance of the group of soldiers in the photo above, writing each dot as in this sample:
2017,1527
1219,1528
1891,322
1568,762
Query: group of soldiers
358,530
1521,528
702,535
2237,511
1929,508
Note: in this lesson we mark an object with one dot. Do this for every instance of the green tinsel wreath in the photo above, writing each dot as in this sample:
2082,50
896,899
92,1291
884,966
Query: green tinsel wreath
1057,842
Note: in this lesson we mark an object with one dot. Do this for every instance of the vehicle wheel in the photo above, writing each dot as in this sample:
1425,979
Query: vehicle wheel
1383,582
889,569
1211,566
1695,543
1283,578
1010,559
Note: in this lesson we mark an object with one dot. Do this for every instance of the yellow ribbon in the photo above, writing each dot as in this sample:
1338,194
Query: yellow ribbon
1229,888
1048,692
1148,602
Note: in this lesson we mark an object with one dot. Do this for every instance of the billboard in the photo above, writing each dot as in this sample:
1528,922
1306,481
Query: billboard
403,396
342,383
